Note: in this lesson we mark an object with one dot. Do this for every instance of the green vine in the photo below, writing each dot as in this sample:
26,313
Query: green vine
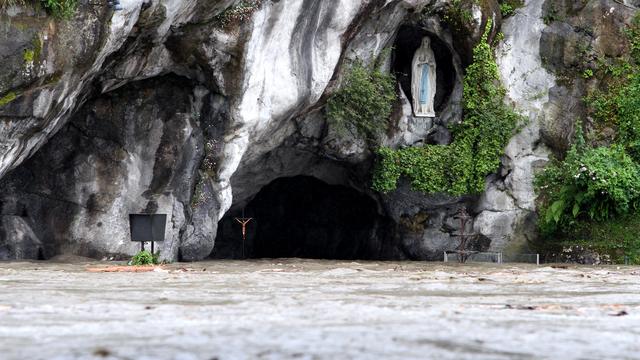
478,141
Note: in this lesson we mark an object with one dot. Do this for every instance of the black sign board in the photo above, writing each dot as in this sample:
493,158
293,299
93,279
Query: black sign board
147,227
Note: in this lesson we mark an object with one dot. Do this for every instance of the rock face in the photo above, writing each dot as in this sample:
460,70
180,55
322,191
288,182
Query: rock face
193,108
140,151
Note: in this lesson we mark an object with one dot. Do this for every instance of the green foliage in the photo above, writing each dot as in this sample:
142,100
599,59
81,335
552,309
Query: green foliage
478,142
590,184
617,237
506,10
618,103
552,14
427,167
236,14
144,257
508,7
364,102
28,56
388,169
458,16
592,196
627,102
62,9
9,97
633,35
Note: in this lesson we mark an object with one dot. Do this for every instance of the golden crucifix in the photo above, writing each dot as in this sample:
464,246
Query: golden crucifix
243,221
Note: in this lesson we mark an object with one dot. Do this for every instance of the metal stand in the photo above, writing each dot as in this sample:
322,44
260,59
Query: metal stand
142,245
463,254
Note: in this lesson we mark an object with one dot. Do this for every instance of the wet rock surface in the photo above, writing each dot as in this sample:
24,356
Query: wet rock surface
140,151
291,308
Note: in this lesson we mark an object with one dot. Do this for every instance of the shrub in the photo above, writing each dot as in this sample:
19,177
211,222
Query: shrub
364,102
144,257
478,142
616,237
590,184
506,10
62,9
458,16
508,7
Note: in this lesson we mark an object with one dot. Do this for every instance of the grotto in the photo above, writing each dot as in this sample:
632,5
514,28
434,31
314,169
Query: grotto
305,217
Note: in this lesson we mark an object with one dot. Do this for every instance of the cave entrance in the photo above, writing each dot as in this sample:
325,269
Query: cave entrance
408,40
304,217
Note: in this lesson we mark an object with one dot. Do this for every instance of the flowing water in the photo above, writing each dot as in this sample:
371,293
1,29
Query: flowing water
312,309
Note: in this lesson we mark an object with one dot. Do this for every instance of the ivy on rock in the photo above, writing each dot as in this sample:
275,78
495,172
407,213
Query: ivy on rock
478,141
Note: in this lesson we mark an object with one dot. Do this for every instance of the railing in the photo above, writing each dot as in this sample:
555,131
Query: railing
491,257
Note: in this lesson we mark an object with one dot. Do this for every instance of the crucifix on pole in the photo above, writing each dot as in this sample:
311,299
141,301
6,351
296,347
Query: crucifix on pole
243,221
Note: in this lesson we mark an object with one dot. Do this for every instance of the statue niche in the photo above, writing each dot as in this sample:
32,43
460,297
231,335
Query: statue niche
423,80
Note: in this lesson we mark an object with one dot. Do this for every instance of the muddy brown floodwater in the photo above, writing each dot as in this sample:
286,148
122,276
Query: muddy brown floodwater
309,309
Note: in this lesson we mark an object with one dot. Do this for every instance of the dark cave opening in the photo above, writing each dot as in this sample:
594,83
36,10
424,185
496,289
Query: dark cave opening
304,217
408,40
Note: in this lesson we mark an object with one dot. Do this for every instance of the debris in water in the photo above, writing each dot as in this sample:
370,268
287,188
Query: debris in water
521,307
620,313
102,352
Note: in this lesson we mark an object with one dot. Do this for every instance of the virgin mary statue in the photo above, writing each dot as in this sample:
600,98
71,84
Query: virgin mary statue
423,80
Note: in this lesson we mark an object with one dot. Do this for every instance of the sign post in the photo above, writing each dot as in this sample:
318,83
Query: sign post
147,227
